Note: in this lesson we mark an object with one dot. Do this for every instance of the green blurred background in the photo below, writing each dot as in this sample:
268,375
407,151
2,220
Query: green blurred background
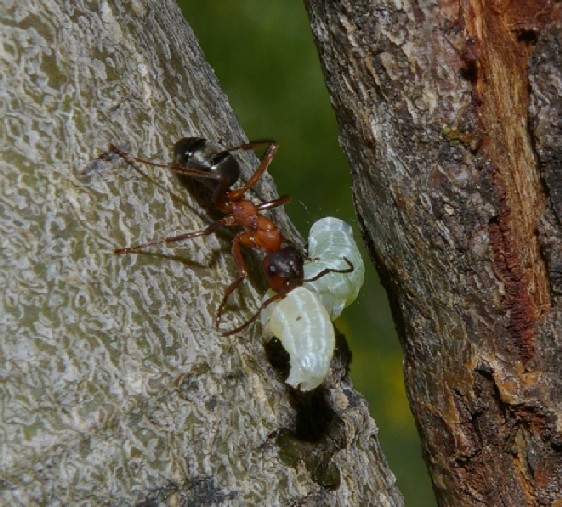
266,61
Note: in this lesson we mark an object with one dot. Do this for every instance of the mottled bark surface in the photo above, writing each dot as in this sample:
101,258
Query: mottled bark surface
450,114
115,388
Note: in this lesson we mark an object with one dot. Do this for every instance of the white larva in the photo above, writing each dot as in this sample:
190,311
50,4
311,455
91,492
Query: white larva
330,241
302,319
304,328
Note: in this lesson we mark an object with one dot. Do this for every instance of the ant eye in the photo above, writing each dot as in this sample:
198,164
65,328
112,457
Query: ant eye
272,269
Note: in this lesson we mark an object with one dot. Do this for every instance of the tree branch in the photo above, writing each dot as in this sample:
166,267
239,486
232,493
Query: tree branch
452,183
115,386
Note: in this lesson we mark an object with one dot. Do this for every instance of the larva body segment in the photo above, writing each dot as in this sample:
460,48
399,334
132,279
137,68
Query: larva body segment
330,242
303,326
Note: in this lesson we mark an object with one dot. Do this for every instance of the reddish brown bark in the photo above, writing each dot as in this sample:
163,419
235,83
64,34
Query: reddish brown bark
450,115
504,36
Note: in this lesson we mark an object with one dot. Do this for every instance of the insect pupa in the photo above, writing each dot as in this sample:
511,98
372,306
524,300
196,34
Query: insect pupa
303,326
330,243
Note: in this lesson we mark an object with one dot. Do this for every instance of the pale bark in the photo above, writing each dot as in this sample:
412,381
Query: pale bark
115,387
450,115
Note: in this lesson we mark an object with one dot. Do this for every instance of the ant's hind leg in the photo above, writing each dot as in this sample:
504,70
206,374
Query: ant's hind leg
172,239
113,152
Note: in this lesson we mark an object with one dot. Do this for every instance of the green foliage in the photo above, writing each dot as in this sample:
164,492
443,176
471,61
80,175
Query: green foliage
266,61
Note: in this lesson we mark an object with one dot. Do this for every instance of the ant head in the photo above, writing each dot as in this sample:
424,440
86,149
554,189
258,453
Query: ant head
283,269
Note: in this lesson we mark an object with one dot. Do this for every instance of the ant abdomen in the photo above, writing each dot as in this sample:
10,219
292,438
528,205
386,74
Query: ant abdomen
188,151
222,167
198,153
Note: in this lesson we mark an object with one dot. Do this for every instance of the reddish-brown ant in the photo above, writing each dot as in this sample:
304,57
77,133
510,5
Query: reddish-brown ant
282,266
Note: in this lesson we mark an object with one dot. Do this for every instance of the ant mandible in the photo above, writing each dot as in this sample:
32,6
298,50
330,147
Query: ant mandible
282,266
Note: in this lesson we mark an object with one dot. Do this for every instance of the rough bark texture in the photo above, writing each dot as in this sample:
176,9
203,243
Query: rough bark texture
115,388
450,114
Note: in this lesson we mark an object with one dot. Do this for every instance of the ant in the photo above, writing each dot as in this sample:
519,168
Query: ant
282,266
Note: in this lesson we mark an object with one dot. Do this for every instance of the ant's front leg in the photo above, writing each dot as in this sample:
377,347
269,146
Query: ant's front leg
242,273
324,272
263,306
284,199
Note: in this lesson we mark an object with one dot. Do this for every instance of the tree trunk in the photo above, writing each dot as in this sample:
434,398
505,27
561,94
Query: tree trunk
450,115
115,387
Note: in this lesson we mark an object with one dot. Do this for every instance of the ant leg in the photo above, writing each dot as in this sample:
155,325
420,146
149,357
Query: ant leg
189,171
264,305
330,270
242,273
284,199
251,145
235,195
226,221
